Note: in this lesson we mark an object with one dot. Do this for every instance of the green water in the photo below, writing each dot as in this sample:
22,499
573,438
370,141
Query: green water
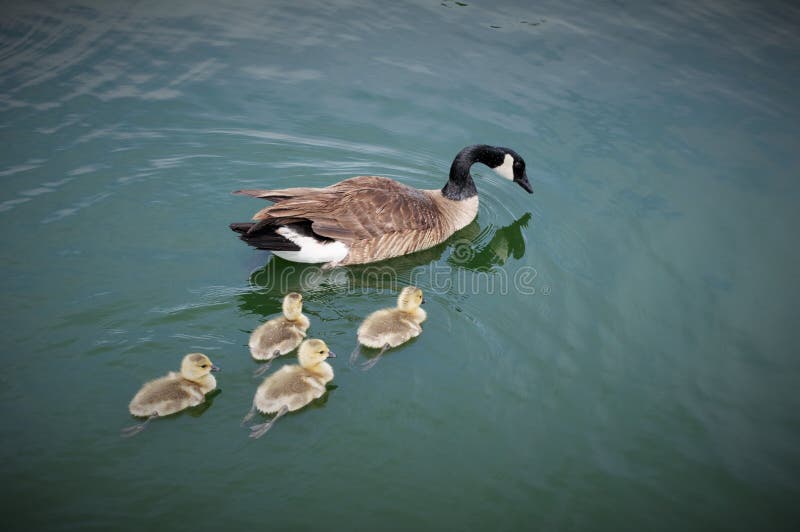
615,352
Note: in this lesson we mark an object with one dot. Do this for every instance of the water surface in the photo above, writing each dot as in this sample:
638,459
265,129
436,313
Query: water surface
616,352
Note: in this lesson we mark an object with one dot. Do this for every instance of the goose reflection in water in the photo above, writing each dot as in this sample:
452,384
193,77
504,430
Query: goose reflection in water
469,250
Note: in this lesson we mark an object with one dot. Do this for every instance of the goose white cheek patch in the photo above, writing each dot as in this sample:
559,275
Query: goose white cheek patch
507,168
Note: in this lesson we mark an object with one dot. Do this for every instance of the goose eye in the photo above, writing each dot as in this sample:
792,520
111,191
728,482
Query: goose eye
321,352
204,366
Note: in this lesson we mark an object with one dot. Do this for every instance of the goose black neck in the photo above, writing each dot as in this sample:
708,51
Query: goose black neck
460,186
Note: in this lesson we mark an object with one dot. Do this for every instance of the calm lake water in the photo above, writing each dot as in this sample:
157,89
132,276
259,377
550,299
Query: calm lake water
615,352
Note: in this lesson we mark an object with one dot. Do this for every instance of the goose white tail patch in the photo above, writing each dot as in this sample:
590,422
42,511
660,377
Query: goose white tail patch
507,168
311,249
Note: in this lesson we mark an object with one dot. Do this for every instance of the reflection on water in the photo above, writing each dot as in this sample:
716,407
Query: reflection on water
505,243
471,249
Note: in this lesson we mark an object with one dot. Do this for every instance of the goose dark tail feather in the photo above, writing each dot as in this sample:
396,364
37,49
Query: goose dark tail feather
263,237
242,228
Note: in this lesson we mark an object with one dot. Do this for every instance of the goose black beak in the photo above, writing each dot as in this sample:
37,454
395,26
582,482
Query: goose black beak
524,183
214,367
331,354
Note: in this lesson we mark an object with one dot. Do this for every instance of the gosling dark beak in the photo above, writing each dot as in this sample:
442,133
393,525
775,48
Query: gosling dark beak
422,302
524,183
331,354
214,367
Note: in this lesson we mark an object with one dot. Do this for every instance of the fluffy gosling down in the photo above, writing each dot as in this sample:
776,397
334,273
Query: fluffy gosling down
173,392
391,327
294,386
281,335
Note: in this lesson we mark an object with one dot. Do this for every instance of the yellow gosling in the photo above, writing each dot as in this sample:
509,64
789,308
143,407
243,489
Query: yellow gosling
391,327
294,386
281,335
173,392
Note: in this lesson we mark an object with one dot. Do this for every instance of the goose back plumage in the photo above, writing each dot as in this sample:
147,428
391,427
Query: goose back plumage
375,217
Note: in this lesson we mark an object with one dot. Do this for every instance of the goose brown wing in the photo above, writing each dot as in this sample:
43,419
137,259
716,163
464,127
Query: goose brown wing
359,208
279,194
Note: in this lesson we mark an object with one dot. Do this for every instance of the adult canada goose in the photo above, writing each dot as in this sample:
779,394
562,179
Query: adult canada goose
294,386
367,218
173,392
280,335
391,327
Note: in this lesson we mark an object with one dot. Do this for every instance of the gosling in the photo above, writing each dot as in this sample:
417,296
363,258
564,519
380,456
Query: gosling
391,327
173,392
279,336
294,386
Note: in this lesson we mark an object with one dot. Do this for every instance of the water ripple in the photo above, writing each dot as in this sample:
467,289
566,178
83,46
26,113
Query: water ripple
29,194
203,298
316,142
76,207
31,165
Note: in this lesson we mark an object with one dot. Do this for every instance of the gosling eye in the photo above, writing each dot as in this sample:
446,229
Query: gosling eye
321,352
204,366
